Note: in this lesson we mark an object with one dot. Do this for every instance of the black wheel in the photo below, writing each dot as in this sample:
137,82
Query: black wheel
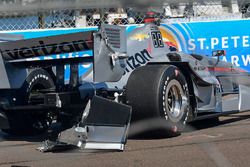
159,92
31,123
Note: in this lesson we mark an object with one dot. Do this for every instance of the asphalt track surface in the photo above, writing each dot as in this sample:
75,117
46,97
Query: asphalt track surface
226,144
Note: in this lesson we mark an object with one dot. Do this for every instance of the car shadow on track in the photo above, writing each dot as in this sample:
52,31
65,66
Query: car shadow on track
51,134
145,134
210,123
142,133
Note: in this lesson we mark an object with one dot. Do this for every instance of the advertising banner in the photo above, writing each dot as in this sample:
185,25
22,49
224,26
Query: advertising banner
205,37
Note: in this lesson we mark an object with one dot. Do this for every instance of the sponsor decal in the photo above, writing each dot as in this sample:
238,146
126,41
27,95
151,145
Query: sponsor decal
43,49
137,60
139,37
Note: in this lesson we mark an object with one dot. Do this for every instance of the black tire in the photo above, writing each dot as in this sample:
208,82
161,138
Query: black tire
30,123
147,89
37,80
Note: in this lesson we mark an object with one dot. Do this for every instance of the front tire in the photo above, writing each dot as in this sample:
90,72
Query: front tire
159,92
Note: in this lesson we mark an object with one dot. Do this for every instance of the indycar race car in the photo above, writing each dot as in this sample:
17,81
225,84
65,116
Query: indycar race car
130,71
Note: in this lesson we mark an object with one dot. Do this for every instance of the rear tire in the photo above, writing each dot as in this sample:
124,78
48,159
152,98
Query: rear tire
26,123
159,92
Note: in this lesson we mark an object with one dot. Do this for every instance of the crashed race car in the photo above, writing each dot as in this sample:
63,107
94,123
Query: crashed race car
134,76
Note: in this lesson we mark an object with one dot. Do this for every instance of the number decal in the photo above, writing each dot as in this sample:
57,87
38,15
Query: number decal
157,39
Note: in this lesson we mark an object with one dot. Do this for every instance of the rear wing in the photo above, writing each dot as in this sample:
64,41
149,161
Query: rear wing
109,47
26,52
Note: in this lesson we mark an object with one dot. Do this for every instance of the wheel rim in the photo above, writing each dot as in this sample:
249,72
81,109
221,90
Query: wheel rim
175,101
39,122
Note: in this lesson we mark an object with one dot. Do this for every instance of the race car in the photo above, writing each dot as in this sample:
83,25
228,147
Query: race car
135,70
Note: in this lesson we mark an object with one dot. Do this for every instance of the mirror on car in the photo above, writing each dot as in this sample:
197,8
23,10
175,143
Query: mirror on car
218,53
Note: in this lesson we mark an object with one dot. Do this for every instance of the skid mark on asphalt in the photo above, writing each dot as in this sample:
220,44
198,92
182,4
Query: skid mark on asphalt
12,163
65,156
190,144
203,136
17,145
215,155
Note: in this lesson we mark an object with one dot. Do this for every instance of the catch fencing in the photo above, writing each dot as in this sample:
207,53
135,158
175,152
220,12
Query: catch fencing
75,18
